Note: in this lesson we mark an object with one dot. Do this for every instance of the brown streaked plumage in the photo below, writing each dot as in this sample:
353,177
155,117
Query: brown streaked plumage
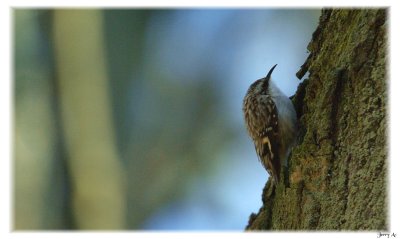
271,129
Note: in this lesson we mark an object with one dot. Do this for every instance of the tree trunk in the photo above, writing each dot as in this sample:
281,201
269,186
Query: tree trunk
336,179
97,176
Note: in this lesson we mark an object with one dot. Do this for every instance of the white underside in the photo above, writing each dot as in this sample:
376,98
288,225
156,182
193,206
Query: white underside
287,120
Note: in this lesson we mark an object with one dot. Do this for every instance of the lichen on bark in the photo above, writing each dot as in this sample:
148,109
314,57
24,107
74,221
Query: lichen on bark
337,175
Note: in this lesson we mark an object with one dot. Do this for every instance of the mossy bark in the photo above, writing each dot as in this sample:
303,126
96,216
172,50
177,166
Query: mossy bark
337,175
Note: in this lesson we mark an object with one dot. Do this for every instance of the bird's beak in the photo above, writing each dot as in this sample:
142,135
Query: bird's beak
268,77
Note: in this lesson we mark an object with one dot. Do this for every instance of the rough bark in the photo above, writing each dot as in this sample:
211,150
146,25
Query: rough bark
337,175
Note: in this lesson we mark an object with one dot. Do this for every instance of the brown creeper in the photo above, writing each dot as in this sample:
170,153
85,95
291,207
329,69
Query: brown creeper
271,122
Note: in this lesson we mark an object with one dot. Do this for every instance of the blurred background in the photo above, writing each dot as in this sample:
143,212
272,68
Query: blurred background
131,118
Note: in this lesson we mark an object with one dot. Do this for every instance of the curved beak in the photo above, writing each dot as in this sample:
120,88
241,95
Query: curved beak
270,72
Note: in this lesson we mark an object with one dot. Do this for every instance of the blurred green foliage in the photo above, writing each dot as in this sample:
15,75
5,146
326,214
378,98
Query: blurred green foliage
164,134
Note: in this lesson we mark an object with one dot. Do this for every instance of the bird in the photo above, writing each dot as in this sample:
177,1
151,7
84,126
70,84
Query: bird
271,123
